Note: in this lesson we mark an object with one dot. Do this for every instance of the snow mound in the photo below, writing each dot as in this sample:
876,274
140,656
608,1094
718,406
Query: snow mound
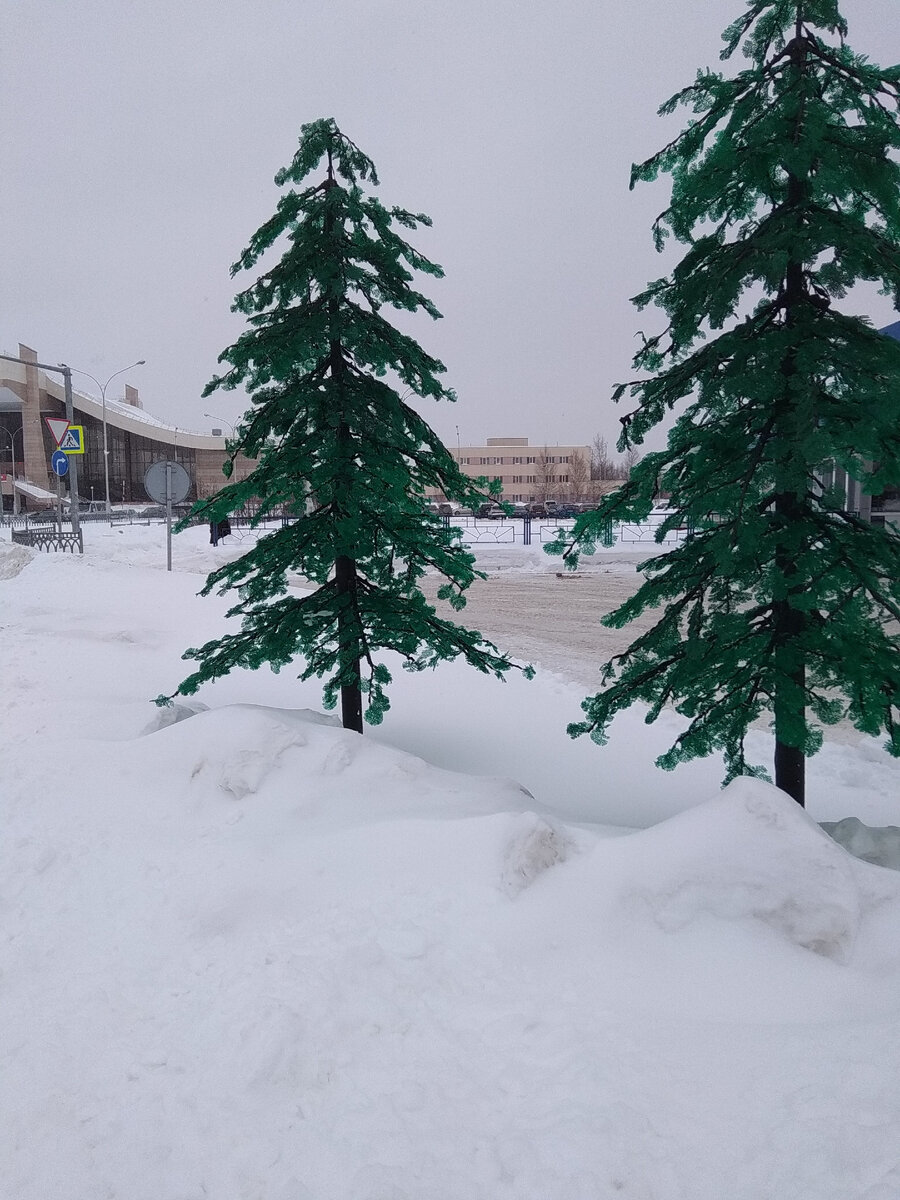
752,854
304,761
14,559
172,714
537,845
873,844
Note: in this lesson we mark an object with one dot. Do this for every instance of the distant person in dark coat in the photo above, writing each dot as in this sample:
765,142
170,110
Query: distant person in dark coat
219,530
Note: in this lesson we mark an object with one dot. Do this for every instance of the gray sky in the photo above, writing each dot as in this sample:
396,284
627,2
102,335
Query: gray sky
138,145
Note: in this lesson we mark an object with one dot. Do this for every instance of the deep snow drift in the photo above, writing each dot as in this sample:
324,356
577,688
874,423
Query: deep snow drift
249,956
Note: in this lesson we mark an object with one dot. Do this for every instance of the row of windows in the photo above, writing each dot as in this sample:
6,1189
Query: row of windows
534,478
513,462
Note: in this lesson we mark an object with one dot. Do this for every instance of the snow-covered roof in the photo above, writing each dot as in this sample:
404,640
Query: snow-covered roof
32,490
136,420
118,413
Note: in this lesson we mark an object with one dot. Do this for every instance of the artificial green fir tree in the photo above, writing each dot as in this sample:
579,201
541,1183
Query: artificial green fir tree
786,190
336,445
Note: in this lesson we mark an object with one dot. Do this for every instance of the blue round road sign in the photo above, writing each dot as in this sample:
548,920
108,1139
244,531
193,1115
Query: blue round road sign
59,462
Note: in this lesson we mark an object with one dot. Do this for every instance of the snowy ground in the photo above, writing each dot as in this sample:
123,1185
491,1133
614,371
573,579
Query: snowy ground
247,956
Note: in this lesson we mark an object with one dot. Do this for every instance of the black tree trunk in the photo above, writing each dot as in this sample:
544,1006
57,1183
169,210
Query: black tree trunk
348,640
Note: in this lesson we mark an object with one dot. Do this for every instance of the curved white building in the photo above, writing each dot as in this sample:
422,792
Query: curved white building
135,440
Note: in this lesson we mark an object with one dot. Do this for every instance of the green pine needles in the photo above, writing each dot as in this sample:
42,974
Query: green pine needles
335,443
786,191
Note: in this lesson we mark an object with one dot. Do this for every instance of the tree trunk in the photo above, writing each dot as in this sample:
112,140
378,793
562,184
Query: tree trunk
790,674
348,642
790,770
349,647
790,761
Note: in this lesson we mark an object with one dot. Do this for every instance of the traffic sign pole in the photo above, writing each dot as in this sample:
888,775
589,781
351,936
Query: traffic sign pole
168,516
73,465
167,483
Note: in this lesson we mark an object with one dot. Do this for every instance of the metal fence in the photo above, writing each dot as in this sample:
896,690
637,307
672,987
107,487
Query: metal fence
476,530
49,538
473,530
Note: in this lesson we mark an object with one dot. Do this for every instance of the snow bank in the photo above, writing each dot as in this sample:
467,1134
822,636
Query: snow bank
14,558
753,854
871,844
250,956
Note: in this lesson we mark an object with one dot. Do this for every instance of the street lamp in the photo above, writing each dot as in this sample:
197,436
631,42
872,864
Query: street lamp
11,434
213,417
103,386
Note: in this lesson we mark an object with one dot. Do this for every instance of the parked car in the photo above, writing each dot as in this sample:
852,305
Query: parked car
536,509
496,512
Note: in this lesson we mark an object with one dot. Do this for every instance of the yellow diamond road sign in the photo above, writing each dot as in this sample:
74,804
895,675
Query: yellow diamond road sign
73,440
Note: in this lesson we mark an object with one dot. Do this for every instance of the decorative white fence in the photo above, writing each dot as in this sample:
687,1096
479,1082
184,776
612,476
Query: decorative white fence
475,530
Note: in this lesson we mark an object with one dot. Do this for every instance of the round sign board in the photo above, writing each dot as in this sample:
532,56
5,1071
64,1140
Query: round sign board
59,462
155,482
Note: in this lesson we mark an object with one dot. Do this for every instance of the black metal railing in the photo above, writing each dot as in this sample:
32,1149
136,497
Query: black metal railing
49,538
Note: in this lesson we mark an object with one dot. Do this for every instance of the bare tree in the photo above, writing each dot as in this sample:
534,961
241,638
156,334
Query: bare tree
630,460
602,465
544,476
579,475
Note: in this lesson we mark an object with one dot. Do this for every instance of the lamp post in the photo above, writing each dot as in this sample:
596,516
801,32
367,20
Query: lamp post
103,386
213,417
11,434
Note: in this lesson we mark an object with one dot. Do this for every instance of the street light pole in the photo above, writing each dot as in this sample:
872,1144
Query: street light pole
11,434
103,386
213,417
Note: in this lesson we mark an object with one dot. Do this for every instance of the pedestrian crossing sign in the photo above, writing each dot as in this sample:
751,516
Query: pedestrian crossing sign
73,440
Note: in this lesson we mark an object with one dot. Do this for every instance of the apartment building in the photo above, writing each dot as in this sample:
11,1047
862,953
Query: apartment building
528,472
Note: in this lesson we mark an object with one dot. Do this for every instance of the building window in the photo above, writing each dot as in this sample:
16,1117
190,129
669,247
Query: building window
529,460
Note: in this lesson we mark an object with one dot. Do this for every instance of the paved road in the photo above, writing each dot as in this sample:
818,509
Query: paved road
554,622
551,621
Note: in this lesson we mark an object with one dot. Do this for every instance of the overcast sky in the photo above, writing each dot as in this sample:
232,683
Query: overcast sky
138,145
